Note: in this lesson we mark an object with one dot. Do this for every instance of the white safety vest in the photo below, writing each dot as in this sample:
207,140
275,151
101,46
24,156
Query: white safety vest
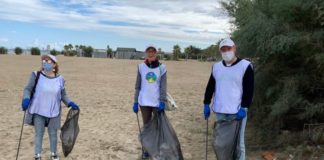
229,86
149,94
47,97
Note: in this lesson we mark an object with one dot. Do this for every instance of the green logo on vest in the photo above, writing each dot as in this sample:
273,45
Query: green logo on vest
150,77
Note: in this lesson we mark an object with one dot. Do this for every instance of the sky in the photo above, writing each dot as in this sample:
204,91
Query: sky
117,23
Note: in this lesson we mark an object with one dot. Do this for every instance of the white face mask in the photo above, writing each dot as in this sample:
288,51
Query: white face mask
228,56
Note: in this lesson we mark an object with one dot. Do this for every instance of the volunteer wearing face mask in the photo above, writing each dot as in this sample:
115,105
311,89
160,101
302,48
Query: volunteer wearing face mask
42,102
230,85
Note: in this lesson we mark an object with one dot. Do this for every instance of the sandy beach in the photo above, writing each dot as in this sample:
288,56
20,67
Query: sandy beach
104,90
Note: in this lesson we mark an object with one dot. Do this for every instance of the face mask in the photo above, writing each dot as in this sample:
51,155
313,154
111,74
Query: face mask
48,67
228,56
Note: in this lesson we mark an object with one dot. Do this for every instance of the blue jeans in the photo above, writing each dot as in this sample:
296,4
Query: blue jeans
229,117
39,124
242,136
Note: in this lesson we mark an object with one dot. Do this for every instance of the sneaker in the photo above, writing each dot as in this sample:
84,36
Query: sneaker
37,157
54,156
145,155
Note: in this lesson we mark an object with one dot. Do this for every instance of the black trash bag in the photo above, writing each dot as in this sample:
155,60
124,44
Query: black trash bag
226,140
70,131
160,140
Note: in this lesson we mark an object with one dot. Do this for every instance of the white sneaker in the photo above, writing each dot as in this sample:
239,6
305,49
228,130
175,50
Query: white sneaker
54,156
37,157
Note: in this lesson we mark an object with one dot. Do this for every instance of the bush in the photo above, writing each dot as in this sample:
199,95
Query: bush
70,53
54,52
87,51
168,57
35,51
3,50
18,51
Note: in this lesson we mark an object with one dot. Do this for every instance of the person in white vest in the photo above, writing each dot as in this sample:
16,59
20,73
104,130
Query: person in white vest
231,86
42,103
150,87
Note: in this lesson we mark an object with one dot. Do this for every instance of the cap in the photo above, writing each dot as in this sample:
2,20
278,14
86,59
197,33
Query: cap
226,42
53,58
150,47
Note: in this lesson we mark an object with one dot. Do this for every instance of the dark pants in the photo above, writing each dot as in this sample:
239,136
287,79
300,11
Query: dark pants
147,113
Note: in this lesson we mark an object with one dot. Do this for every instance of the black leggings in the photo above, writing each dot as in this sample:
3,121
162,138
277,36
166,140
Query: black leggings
147,113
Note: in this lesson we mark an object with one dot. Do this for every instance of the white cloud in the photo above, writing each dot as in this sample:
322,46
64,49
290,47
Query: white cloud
56,45
43,45
3,40
171,20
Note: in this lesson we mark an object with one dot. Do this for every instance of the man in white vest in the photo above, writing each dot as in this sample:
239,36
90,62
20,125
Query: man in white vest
231,87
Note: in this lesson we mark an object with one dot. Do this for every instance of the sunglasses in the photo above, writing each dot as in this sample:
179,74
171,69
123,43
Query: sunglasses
47,61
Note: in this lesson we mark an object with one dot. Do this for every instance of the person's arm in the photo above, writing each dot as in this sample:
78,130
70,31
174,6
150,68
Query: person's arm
65,98
210,89
248,87
163,88
137,86
29,87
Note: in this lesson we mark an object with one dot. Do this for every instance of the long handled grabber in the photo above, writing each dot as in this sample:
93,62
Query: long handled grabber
22,128
139,130
206,138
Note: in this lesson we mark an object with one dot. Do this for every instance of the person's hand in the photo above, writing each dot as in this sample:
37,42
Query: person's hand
135,107
73,106
161,106
241,113
206,111
25,104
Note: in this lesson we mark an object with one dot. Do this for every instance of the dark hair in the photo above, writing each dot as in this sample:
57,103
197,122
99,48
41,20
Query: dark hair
56,68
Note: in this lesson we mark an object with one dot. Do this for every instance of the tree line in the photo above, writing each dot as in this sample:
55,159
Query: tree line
69,50
286,40
19,50
210,53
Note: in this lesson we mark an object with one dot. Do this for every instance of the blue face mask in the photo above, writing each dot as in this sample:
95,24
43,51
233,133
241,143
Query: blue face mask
48,67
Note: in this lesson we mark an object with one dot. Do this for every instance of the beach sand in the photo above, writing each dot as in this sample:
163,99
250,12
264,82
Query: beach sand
104,90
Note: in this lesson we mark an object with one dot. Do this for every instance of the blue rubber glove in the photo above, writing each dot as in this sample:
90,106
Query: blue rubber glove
135,107
241,113
161,106
206,111
25,104
73,106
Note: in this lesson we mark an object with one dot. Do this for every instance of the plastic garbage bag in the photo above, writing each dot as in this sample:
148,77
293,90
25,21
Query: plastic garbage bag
70,131
160,140
226,139
171,105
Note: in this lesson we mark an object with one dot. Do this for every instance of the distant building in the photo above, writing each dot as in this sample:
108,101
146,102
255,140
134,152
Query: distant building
128,53
99,53
26,52
44,52
11,51
79,52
